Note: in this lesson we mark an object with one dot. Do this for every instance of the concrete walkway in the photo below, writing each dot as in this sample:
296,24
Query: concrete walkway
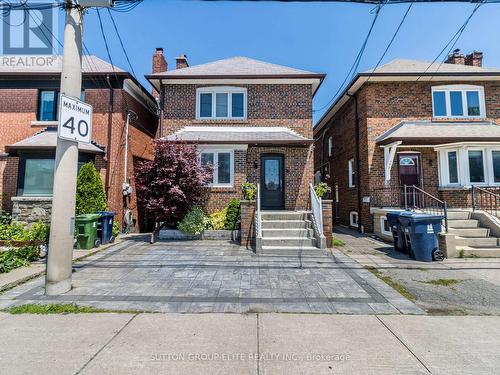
248,344
216,276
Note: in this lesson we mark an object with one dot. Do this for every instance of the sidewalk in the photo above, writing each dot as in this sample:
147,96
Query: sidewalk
233,343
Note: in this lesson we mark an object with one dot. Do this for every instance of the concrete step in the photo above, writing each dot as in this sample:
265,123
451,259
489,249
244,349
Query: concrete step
493,252
285,224
476,242
458,215
470,232
289,241
469,223
304,251
284,215
287,232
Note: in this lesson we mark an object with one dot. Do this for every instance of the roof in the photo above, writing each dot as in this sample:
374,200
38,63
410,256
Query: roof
237,68
428,132
239,135
52,64
401,66
409,71
46,139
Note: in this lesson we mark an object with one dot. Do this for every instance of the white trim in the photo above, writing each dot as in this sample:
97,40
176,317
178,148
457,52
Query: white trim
350,171
353,214
382,230
389,154
463,171
215,152
463,89
214,90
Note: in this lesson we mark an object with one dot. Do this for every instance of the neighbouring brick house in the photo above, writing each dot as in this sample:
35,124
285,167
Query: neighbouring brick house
28,122
410,123
251,119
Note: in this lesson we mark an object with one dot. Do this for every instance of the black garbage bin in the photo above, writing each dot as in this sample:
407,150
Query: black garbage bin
105,226
421,235
397,231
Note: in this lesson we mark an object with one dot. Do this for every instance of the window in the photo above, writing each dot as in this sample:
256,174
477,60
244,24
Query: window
222,162
384,226
221,103
353,219
47,105
351,173
36,173
458,101
452,167
48,102
330,147
476,166
495,156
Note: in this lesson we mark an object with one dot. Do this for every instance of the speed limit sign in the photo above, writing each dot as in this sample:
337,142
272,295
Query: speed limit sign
75,120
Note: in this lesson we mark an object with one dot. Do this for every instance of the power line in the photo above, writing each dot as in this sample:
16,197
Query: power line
392,39
121,43
357,60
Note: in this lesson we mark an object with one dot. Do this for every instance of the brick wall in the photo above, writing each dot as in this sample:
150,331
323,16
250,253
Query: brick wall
383,105
247,212
17,121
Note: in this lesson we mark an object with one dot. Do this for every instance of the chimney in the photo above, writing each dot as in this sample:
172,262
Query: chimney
474,59
159,62
456,58
181,62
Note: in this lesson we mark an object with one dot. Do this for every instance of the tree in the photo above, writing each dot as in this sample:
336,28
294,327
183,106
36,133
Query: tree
90,194
171,183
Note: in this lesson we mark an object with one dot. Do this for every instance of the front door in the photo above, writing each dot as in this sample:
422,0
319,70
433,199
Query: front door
272,182
409,169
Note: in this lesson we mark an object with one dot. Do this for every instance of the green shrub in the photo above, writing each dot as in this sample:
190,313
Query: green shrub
194,222
90,194
218,219
16,258
116,229
15,231
321,189
39,232
249,191
5,217
233,215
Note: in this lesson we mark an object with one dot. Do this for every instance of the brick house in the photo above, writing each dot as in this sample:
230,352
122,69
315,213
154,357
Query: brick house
251,119
28,122
410,123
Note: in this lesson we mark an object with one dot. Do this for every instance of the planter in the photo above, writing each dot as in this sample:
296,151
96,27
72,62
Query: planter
229,235
175,234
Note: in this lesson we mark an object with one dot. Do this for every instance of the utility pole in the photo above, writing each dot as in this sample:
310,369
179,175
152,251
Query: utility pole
62,224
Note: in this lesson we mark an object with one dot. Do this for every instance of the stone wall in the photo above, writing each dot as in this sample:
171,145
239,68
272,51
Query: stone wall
31,209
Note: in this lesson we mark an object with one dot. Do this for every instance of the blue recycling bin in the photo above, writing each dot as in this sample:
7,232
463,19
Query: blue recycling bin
105,226
421,235
397,231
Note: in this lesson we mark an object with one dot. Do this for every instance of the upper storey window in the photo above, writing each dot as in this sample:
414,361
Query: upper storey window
221,103
459,101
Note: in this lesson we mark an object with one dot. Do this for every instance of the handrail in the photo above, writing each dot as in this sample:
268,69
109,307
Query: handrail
418,196
316,208
258,219
488,201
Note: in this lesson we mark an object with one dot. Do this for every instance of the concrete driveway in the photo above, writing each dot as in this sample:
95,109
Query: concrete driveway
216,276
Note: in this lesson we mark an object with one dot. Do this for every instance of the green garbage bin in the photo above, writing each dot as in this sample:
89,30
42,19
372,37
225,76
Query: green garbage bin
86,231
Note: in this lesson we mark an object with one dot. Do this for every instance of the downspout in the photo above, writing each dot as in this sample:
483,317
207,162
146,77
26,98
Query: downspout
358,174
160,104
110,128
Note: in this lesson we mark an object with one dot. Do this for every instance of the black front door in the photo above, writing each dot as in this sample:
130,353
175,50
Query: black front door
271,181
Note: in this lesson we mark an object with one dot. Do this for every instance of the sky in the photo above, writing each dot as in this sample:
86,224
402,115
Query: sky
318,36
